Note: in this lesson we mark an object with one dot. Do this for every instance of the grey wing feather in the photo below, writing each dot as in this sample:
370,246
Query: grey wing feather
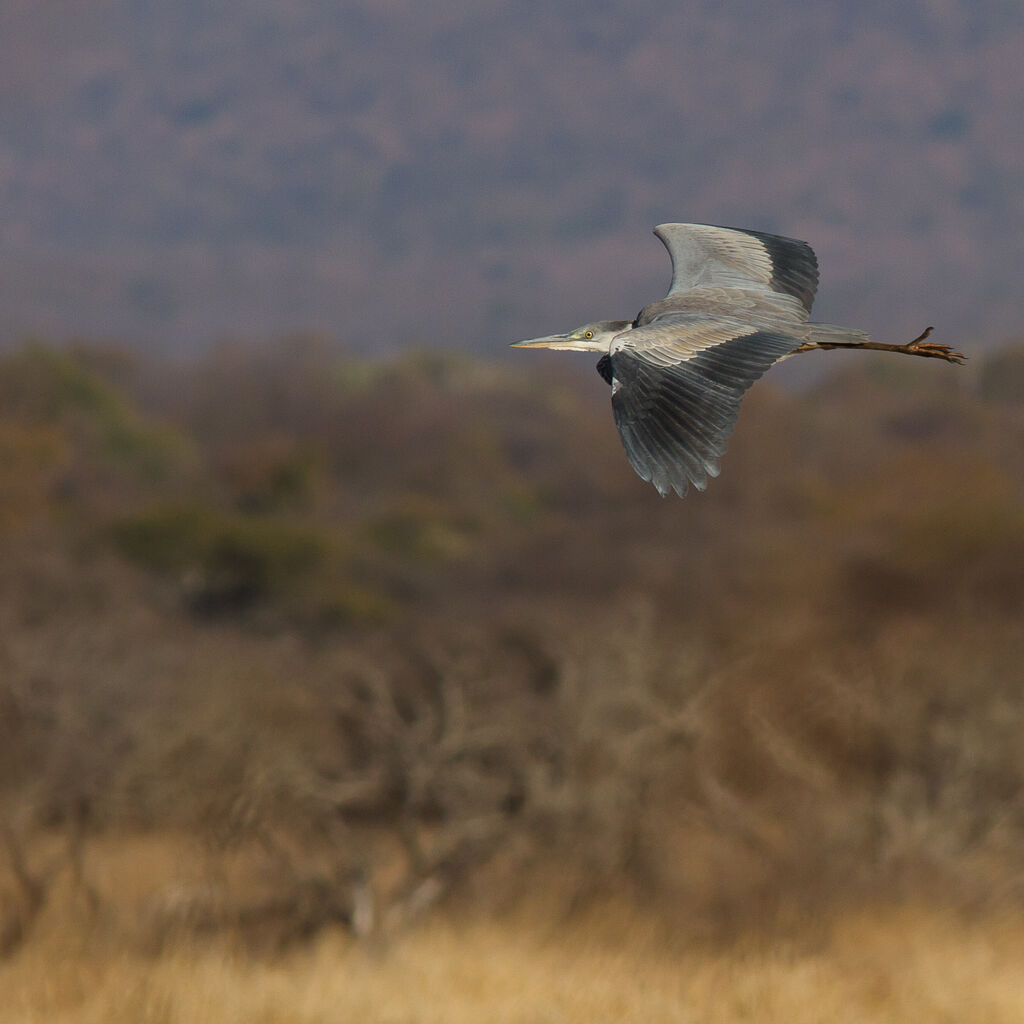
677,385
709,259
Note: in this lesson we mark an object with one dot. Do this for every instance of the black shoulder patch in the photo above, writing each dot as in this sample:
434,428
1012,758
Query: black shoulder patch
604,367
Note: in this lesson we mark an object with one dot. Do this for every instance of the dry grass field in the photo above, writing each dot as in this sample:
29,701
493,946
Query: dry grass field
335,690
890,964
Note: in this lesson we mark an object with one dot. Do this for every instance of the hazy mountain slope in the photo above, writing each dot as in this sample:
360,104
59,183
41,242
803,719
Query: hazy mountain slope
396,173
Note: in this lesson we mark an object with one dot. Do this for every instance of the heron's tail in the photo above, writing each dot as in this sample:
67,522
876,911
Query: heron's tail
831,334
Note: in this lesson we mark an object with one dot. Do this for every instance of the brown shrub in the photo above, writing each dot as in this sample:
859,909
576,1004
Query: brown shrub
476,657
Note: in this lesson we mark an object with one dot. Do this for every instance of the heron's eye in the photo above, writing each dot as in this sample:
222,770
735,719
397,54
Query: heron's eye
588,334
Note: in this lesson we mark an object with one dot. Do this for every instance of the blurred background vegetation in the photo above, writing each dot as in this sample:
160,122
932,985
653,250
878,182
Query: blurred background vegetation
292,638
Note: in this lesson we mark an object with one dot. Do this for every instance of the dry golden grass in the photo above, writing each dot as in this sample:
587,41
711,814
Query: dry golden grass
882,965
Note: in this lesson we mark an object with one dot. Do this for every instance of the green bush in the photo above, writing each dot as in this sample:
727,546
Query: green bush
221,558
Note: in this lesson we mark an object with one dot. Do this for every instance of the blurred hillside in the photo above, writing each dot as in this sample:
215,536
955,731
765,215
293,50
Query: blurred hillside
342,639
460,174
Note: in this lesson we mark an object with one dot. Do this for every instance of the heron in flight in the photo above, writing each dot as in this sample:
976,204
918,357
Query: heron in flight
738,302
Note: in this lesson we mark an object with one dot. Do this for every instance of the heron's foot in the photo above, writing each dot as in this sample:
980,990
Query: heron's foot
938,352
920,347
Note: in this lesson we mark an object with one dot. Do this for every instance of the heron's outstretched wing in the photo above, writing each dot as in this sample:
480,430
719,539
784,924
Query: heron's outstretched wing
677,384
783,271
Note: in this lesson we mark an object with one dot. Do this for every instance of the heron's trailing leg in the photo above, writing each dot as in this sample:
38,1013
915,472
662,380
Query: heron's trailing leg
917,347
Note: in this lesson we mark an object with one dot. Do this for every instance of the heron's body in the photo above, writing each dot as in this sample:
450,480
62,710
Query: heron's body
738,302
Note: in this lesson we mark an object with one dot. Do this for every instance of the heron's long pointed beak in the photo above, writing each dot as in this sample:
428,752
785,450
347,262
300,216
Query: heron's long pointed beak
551,341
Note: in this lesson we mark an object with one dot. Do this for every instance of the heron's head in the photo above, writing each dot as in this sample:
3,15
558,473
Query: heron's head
595,337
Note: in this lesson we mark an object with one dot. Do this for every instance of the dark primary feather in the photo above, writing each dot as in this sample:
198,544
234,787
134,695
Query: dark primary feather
676,410
794,266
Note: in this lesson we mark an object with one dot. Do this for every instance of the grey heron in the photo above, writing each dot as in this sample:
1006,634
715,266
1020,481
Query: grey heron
738,302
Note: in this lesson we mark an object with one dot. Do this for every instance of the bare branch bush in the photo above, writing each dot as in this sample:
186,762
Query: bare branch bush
496,675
